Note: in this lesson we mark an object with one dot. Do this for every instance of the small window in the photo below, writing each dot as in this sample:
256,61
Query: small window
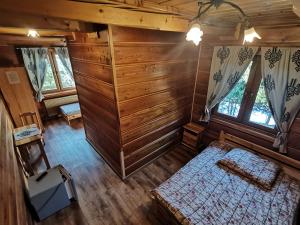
66,78
231,104
261,113
49,82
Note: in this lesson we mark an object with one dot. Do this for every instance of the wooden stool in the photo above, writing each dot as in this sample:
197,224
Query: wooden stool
26,136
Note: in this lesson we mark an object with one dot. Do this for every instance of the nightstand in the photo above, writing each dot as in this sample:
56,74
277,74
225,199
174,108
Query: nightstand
192,136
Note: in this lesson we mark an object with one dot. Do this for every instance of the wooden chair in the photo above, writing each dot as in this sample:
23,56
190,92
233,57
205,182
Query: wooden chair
30,122
29,118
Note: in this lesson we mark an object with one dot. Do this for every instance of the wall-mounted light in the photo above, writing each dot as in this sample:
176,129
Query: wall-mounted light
195,33
250,34
32,33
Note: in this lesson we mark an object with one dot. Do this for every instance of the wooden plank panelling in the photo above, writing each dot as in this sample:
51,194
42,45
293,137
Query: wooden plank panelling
91,62
97,53
94,70
143,102
135,89
137,53
19,96
155,74
101,86
8,56
12,204
270,37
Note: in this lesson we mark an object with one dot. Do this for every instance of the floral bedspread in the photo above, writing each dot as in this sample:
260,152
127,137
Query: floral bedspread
203,193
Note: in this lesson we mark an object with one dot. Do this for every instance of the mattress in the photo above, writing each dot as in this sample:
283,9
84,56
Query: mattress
203,193
70,109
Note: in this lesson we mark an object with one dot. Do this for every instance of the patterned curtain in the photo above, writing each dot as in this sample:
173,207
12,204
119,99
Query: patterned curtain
227,67
63,55
35,60
281,74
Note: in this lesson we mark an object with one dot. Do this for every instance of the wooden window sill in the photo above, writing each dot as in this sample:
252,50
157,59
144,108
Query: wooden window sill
60,94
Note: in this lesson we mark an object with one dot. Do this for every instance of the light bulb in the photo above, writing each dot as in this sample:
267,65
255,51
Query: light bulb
33,33
250,34
195,33
296,7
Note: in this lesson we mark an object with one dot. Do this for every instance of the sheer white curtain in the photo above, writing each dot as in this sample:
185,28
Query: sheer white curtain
281,74
35,61
228,65
63,55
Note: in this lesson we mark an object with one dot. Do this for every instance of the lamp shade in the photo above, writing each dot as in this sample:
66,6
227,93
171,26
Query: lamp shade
194,34
33,33
296,7
250,34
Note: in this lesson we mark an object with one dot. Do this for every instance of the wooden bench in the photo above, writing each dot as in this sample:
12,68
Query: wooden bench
70,111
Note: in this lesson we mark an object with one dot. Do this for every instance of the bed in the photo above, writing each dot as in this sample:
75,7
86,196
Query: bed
70,111
203,192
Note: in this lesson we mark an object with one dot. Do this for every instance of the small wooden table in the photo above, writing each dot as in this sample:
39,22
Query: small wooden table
192,136
26,136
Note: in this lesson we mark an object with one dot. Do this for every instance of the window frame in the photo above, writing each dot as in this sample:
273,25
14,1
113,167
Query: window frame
248,100
56,75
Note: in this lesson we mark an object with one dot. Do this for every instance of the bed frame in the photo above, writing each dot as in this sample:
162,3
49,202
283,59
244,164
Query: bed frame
289,165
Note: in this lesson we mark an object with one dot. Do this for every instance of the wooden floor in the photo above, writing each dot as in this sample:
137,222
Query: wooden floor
104,199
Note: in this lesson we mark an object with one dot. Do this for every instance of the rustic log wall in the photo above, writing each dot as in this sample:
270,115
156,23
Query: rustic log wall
270,37
12,205
155,74
91,62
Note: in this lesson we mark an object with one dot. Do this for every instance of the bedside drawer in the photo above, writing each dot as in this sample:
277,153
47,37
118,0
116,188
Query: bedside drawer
190,139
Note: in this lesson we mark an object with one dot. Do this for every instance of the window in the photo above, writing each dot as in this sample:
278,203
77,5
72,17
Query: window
232,102
247,102
261,113
49,83
66,78
57,77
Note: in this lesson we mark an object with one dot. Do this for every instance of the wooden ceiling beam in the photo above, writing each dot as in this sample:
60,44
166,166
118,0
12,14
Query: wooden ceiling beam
96,13
11,19
42,33
146,6
26,41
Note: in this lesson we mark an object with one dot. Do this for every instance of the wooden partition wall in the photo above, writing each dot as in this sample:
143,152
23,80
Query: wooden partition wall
135,88
155,74
288,37
93,72
13,210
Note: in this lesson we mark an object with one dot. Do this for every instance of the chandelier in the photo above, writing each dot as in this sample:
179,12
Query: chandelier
195,33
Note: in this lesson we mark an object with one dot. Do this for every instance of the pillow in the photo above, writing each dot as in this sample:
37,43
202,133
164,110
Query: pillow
258,170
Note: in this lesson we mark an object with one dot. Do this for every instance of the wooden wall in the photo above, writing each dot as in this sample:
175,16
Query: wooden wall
270,37
8,56
155,75
135,89
13,210
19,95
92,67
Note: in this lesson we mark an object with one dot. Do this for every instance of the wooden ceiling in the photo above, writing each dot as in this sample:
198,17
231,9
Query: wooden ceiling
172,15
260,12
